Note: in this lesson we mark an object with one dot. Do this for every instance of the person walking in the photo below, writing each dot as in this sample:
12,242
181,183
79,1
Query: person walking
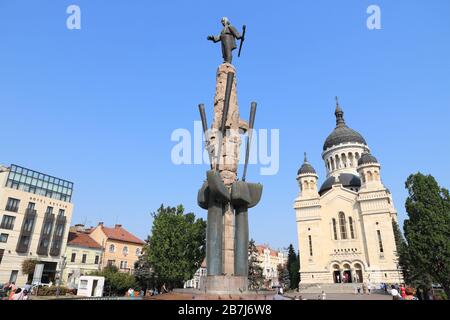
17,294
395,294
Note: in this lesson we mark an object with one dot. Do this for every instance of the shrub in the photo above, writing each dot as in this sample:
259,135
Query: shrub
51,291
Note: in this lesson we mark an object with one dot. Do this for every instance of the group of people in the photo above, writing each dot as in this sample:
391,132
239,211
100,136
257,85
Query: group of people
149,293
15,293
403,293
365,288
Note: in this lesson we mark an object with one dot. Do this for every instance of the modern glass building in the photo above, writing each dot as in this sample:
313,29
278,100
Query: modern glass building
27,180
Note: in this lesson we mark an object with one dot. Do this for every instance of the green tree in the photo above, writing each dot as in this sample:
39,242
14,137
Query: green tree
255,271
293,267
28,266
143,271
427,231
116,283
176,247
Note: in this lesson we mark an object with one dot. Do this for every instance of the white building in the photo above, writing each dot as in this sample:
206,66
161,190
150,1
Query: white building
344,227
35,215
269,260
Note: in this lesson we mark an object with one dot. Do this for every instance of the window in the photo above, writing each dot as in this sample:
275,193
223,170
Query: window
2,251
12,205
111,263
138,251
59,230
97,258
73,257
83,258
24,241
13,276
49,211
342,226
61,212
28,224
4,237
352,230
310,246
7,222
125,251
112,248
123,265
380,242
335,229
47,228
31,206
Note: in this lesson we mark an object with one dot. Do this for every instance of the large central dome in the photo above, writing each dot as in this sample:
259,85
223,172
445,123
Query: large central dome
342,133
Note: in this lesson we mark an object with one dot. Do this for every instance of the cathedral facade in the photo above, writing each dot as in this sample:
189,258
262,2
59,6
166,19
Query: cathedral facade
344,227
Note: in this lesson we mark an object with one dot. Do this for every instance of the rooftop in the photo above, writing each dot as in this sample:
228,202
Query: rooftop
81,239
120,234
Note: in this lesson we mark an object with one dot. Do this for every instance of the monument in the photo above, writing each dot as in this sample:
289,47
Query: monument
227,198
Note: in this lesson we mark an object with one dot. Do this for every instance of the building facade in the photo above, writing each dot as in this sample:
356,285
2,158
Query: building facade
269,260
82,257
199,278
345,231
35,215
120,248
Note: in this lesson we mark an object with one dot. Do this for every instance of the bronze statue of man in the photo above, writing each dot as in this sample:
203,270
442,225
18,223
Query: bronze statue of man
228,38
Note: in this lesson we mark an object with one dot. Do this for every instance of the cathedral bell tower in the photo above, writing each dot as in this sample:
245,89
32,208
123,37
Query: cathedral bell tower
307,179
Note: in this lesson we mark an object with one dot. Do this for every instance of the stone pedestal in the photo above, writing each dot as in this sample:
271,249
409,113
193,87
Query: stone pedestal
226,285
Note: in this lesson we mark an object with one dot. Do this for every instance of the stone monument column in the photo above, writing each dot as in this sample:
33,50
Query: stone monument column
229,158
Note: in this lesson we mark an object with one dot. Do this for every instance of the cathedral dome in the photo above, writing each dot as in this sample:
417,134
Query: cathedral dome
306,168
367,158
342,133
348,180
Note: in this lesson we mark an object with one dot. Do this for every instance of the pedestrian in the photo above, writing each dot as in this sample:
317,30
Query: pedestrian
27,287
359,290
324,295
369,288
17,294
364,288
130,292
394,293
25,295
403,291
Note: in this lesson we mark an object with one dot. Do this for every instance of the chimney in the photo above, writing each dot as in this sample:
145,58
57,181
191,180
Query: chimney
118,226
79,227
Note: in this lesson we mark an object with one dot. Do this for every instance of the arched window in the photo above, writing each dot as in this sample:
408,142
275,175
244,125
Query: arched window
350,159
352,229
356,156
335,229
369,176
342,226
376,176
344,160
306,185
112,248
380,242
332,164
311,185
125,251
338,162
138,252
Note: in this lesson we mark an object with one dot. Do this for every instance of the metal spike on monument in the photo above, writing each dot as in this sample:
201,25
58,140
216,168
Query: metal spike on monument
225,197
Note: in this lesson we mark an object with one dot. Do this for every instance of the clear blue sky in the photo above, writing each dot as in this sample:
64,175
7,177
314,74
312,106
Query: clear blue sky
97,106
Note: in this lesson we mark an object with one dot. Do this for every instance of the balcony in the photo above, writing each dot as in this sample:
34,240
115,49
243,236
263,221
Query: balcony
26,232
46,232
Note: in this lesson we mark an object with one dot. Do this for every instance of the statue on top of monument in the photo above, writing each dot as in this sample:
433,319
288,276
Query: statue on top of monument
228,38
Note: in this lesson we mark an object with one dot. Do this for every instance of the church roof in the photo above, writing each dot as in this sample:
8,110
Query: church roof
342,133
347,180
306,167
367,158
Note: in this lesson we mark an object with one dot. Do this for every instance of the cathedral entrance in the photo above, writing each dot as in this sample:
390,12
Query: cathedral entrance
336,274
358,273
347,274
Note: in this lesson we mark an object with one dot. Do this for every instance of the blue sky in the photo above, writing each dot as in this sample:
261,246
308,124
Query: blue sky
97,106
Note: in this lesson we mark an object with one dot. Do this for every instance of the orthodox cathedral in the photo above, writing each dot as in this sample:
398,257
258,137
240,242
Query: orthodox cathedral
344,227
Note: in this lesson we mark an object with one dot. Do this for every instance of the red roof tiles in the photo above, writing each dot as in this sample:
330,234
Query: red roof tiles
120,234
81,239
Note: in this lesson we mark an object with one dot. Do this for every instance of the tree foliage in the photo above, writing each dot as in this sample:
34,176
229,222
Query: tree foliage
176,247
28,266
426,254
293,268
116,283
255,271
